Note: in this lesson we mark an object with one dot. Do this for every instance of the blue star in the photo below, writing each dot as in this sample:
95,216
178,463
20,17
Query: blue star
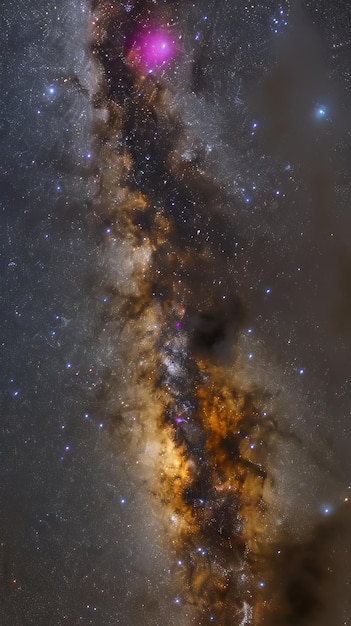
321,111
326,510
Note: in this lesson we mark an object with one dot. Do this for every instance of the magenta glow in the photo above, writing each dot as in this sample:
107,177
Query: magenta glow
156,48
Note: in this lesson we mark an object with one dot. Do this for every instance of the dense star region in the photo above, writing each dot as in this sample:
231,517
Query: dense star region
208,434
175,313
203,432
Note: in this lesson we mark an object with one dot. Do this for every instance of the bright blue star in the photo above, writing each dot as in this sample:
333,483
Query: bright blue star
51,92
321,111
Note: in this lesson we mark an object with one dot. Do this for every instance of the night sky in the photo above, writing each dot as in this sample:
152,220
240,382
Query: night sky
175,313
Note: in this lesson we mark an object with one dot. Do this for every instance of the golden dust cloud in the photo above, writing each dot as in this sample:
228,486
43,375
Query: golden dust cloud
198,438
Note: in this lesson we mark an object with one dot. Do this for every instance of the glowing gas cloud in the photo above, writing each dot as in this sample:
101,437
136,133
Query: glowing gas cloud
151,48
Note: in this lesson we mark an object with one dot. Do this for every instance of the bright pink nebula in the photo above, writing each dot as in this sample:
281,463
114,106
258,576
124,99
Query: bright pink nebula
156,48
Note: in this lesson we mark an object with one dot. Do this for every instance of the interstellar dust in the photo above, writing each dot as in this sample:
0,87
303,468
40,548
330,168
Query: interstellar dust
202,435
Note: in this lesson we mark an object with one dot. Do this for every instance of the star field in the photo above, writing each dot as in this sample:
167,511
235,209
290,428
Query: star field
175,327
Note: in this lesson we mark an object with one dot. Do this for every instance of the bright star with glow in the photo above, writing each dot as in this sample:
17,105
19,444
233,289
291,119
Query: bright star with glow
321,111
327,509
